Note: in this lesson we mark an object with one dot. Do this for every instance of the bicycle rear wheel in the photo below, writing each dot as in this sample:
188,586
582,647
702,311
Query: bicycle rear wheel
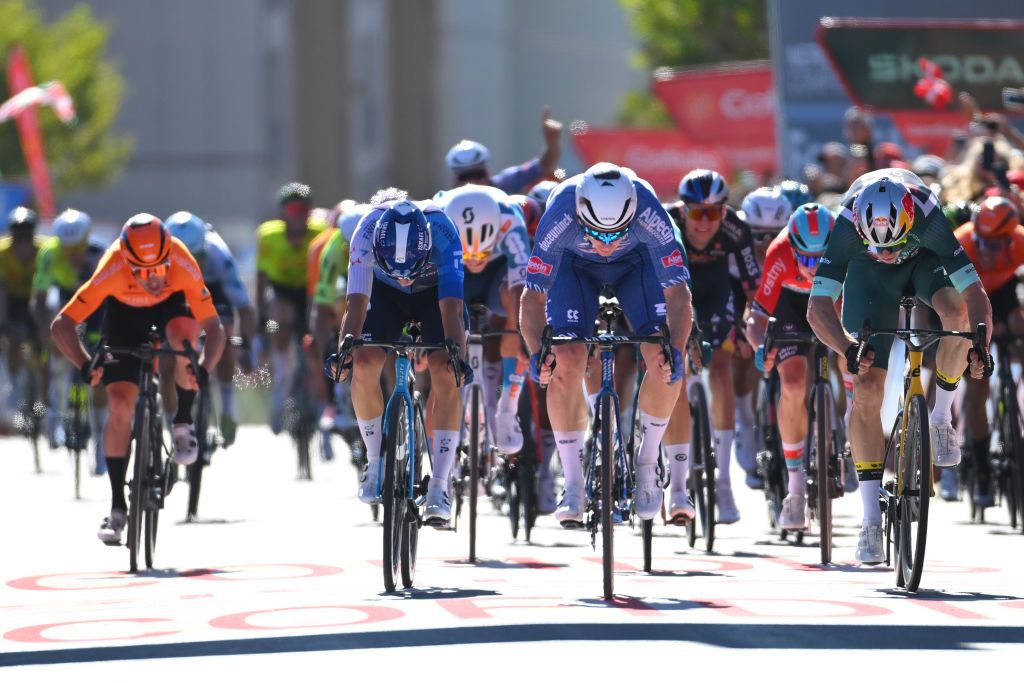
607,460
393,493
474,464
912,502
822,441
1014,459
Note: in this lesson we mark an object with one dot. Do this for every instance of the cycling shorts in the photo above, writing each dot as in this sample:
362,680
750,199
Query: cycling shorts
487,286
299,299
390,309
714,311
128,326
19,318
221,301
573,298
872,291
791,318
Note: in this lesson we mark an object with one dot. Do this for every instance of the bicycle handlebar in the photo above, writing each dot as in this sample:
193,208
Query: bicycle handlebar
548,342
349,343
978,340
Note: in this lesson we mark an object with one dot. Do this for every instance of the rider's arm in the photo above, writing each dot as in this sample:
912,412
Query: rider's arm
531,318
679,313
828,286
355,315
214,346
822,316
453,321
979,308
65,337
757,325
510,344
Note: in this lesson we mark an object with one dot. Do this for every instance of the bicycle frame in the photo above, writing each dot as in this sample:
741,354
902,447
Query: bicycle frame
623,480
401,392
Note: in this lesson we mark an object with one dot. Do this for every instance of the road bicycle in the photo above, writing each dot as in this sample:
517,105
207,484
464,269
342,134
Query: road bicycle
904,499
403,487
209,440
153,473
609,483
77,430
301,413
823,449
701,482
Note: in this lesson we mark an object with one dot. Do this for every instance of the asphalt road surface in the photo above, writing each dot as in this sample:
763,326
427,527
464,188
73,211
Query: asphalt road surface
283,577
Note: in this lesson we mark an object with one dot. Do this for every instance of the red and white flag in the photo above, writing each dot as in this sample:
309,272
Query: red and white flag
933,88
52,94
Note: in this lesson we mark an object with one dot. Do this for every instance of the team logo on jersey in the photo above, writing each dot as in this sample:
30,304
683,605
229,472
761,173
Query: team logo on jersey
673,260
537,266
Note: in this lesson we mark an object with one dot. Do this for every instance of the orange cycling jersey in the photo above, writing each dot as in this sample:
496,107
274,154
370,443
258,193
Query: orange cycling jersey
995,260
316,248
113,278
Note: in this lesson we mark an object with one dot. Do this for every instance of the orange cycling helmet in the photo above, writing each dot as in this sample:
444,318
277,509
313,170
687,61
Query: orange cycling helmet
145,241
995,218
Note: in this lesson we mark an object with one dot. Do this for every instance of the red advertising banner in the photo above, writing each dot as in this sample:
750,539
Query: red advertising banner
932,131
728,104
19,77
661,157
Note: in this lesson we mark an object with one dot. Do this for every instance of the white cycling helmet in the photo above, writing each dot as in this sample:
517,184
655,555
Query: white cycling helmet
72,227
883,212
478,217
766,209
606,201
541,191
466,154
190,229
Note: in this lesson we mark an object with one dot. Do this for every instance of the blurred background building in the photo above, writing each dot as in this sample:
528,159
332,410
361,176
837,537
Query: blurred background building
227,100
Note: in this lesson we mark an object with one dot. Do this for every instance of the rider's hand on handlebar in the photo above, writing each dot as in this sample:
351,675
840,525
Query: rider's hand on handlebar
196,379
867,359
541,373
89,375
668,374
979,363
743,347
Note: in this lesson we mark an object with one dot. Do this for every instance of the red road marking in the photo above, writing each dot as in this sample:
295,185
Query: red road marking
370,614
35,634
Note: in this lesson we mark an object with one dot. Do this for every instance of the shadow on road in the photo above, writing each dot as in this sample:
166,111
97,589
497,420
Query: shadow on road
734,636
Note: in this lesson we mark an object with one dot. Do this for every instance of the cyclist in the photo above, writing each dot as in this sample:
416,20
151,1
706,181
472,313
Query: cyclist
994,241
602,228
406,262
541,191
892,238
18,252
766,211
65,261
711,233
789,268
495,252
146,278
531,212
282,248
220,273
467,160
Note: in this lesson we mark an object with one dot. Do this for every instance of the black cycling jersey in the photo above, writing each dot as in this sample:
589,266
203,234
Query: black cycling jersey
709,267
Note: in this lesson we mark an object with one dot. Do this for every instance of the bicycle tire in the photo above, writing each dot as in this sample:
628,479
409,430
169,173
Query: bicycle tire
302,443
823,470
393,495
912,516
195,470
607,498
512,484
75,437
155,469
411,528
647,534
474,465
1015,458
528,495
704,479
137,496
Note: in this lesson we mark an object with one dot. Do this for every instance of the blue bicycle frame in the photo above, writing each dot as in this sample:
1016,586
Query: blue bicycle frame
401,393
623,480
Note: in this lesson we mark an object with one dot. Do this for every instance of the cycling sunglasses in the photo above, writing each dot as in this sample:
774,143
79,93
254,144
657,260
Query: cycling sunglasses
809,261
476,256
993,244
159,271
696,212
888,249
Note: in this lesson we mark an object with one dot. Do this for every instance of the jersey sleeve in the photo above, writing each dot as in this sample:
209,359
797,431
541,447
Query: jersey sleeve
746,261
554,234
842,246
658,231
230,278
515,178
360,255
773,275
938,237
96,289
446,252
515,245
332,259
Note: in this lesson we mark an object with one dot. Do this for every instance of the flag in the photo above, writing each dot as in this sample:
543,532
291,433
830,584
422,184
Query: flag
52,94
932,87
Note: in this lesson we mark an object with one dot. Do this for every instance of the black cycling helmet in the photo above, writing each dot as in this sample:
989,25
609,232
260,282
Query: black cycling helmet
22,218
295,192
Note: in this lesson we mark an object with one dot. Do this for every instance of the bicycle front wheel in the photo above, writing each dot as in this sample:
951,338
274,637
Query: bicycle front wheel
703,466
393,492
155,490
411,527
137,489
915,469
823,471
607,497
474,464
1014,458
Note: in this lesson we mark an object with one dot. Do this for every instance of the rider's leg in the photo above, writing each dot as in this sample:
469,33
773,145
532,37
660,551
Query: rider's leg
792,416
657,400
867,439
367,397
117,436
744,382
723,409
447,401
282,310
677,452
567,411
226,373
950,361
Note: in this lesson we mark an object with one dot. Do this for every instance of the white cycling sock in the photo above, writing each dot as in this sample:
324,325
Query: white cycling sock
869,496
723,454
678,455
570,451
445,443
372,436
744,411
653,428
547,450
942,410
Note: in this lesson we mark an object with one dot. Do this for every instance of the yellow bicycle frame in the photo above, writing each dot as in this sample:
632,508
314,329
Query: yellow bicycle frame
912,386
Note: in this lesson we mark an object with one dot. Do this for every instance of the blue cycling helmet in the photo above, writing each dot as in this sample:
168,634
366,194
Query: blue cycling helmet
810,227
402,241
702,186
797,193
190,229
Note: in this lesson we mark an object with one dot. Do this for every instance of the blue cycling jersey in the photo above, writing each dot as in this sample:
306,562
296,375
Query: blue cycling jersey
560,235
443,270
516,179
219,268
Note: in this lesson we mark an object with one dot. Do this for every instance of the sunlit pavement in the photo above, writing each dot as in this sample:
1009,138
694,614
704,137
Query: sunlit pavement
282,575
